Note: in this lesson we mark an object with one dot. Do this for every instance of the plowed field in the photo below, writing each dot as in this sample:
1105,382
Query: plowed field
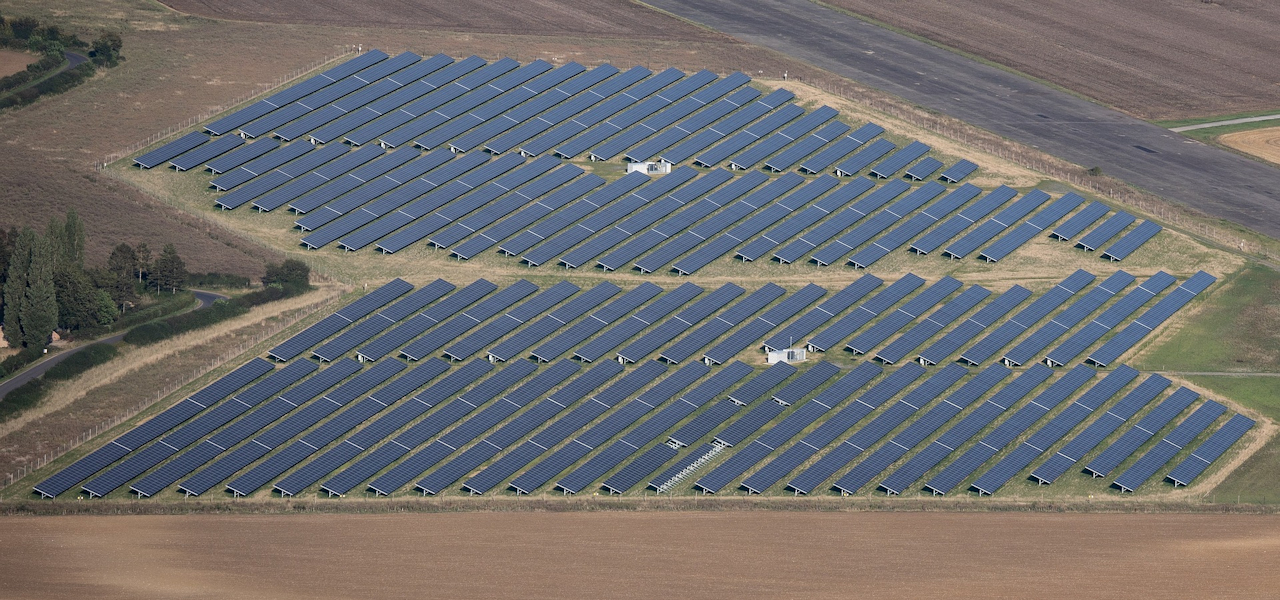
1155,59
1263,143
643,555
596,18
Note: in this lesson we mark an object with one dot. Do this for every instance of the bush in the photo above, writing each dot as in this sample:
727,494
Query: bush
291,274
19,360
23,397
149,333
218,312
215,279
91,356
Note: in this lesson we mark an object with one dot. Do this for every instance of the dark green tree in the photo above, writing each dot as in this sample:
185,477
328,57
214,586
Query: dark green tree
106,49
15,285
123,261
73,240
170,271
23,27
292,274
144,261
30,292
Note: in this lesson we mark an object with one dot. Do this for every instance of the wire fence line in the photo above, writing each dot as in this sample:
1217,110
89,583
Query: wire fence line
289,318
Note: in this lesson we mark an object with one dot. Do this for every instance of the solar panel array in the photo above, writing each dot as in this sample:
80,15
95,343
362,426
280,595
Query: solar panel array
339,425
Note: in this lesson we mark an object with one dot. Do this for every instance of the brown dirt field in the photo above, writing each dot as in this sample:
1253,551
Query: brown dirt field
11,61
595,18
1262,143
636,555
1155,59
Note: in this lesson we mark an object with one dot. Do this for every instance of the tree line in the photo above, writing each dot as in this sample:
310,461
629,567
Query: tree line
48,40
46,286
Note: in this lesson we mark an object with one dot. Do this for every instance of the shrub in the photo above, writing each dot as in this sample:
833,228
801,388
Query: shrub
19,360
91,356
23,397
215,279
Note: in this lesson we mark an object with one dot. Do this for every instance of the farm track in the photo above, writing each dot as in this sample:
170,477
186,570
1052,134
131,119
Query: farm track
1202,177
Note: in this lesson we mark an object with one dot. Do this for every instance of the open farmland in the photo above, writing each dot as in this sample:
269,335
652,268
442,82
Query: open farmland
1262,143
640,555
1154,59
11,61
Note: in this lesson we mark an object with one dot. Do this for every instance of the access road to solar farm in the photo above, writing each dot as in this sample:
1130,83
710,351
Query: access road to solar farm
960,335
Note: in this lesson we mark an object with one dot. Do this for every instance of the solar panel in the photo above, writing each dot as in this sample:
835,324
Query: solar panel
463,322
526,216
580,331
1053,431
641,320
1122,309
241,155
722,323
1079,221
717,223
1210,450
942,447
680,323
544,327
205,153
1032,314
1107,230
755,330
909,312
506,436
823,160
795,224
748,136
261,165
601,112
1023,233
512,76
931,326
914,226
924,169
169,151
920,429
840,220
848,324
475,425
957,172
877,223
632,132
430,93
899,160
507,204
775,142
1101,427
1132,241
864,157
971,327
989,229
840,302
467,346
880,427
1157,457
1142,326
970,215
691,125
1067,319
1139,434
727,126
648,431
339,320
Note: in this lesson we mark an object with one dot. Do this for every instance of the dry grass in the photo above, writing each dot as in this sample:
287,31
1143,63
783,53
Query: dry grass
1262,143
12,61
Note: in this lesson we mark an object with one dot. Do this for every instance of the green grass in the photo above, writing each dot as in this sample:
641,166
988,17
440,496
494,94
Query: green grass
1254,481
1259,393
1238,332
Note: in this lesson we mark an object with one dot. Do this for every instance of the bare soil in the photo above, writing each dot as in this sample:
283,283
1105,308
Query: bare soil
1155,59
1262,143
12,61
595,18
640,555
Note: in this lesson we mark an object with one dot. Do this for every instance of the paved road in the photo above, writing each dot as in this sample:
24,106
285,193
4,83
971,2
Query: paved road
6,386
1215,181
1227,122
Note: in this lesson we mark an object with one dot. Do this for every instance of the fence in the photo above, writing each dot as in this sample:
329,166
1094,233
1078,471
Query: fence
289,318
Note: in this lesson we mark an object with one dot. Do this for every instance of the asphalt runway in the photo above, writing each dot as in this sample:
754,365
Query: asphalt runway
1212,180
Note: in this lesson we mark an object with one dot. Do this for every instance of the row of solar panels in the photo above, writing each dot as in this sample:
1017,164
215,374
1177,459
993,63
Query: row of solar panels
587,414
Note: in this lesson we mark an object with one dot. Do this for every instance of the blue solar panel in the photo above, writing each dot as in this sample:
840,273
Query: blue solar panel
924,169
725,127
970,215
877,223
831,336
899,160
467,346
1132,241
632,81
1170,446
504,206
772,144
258,166
1032,227
909,312
428,94
460,104
344,316
957,172
1209,451
713,329
1053,431
811,321
938,450
1079,221
641,320
1037,310
171,150
241,155
864,157
880,427
1102,427
207,152
527,216
691,125
1112,316
971,327
580,331
743,338
989,229
914,226
1079,310
633,134
841,220
1139,434
822,160
1142,326
748,136
680,323
792,227
921,429
601,112
931,326
461,323
1107,230
546,326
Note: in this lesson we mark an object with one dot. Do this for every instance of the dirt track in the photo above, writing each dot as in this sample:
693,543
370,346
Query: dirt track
1155,59
1263,143
637,555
